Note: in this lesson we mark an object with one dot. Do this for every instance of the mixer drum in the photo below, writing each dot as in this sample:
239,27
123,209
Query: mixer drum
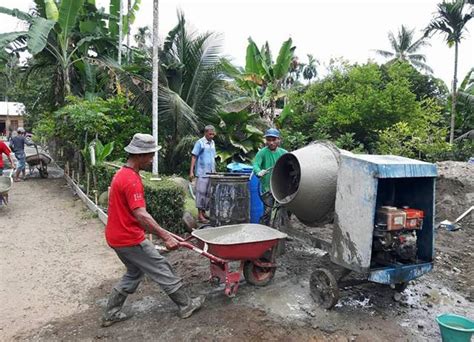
305,182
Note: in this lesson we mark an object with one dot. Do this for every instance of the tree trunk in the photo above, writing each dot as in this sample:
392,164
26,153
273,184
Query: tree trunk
119,60
155,81
129,8
454,94
67,82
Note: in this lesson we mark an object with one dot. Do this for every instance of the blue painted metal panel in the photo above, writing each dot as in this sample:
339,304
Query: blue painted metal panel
399,274
388,166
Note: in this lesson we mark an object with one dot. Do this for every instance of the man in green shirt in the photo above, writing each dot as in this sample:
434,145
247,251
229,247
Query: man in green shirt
263,164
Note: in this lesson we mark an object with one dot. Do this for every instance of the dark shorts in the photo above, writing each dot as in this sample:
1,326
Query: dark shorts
21,158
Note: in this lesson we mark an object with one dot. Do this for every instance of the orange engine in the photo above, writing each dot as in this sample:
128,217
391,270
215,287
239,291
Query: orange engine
392,218
414,219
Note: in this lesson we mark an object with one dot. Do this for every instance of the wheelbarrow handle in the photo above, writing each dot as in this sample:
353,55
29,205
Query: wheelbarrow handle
184,243
177,237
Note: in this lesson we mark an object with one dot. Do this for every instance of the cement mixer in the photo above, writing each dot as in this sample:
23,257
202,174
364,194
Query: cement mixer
382,207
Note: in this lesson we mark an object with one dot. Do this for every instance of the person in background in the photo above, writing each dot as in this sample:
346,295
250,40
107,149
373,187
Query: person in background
5,150
203,162
263,164
17,144
127,222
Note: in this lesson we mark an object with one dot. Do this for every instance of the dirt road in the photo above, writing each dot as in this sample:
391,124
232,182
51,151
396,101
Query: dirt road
52,252
57,270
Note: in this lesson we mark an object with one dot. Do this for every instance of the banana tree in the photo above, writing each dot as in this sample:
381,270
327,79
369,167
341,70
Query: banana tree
64,33
237,138
60,44
262,78
101,152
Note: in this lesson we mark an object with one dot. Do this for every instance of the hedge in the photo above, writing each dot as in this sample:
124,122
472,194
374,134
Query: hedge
164,199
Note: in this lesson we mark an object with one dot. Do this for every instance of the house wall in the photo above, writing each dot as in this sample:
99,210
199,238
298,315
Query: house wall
13,122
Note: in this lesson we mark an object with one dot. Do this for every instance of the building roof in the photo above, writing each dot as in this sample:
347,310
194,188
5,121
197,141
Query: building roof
12,108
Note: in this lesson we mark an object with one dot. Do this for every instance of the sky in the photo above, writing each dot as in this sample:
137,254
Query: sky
327,29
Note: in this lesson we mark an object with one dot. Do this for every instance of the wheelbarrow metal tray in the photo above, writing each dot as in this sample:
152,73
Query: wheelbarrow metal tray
34,159
5,184
240,241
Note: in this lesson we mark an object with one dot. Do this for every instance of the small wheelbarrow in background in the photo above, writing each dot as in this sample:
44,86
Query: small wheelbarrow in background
254,245
40,160
6,183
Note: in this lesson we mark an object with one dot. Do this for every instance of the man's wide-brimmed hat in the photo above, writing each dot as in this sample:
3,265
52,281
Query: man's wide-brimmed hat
141,144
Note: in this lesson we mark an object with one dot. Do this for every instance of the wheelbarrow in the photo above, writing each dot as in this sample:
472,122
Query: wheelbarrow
6,183
251,244
40,160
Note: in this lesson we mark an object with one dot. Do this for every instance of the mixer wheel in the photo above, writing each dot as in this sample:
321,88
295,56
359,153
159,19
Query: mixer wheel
323,288
400,287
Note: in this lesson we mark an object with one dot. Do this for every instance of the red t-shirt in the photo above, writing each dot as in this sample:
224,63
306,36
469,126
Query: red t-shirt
3,149
126,195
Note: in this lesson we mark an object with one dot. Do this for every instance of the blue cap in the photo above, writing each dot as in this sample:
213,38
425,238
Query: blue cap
272,132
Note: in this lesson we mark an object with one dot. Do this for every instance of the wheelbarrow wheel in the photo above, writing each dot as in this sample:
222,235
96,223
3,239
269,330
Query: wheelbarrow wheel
43,173
323,288
256,275
43,170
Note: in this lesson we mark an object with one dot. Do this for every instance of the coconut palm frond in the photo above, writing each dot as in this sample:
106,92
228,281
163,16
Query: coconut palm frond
422,66
385,53
405,50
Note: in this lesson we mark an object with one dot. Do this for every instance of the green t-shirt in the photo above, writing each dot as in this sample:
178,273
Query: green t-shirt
266,159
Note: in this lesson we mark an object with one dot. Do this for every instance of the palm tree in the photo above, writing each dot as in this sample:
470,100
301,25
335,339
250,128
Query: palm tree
405,48
191,82
142,38
155,80
309,70
451,21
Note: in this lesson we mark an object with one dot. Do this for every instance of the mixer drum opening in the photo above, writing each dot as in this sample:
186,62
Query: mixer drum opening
305,180
286,178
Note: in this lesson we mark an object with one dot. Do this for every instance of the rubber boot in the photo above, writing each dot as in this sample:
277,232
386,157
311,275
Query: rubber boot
113,313
186,305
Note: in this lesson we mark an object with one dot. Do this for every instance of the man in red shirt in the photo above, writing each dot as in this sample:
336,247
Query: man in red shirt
5,150
125,233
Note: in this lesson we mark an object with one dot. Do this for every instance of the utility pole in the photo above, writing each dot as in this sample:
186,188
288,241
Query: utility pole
155,82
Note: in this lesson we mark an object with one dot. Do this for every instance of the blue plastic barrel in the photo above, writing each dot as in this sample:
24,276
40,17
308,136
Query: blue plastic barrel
256,204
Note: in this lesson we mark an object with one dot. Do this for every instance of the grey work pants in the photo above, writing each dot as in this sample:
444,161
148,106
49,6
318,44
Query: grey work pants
144,259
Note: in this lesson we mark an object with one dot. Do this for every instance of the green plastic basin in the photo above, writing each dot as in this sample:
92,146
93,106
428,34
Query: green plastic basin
455,328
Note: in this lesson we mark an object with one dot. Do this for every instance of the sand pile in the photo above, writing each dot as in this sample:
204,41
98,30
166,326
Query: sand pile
455,191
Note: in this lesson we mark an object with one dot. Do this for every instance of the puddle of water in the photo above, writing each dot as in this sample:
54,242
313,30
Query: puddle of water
285,299
352,302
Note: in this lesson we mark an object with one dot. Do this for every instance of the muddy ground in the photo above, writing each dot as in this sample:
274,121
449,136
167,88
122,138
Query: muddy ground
57,271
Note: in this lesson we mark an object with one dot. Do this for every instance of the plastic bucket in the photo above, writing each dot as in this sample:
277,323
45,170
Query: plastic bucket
455,328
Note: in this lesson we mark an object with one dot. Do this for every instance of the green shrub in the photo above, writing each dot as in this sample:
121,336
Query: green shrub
104,175
165,202
423,137
165,199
